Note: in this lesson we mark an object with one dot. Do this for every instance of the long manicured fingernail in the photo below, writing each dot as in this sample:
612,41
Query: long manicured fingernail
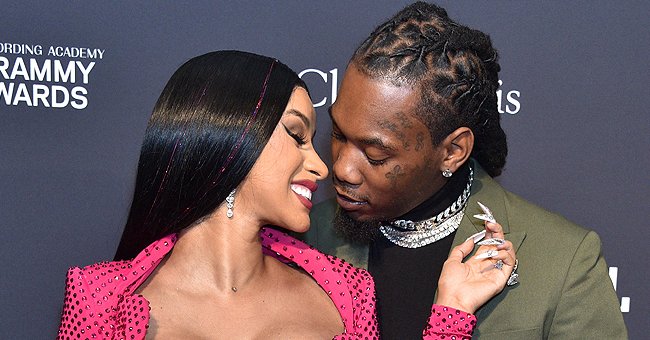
477,237
484,217
488,254
487,214
492,242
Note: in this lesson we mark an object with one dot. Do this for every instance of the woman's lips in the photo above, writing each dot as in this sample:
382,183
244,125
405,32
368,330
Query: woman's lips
307,203
349,204
304,190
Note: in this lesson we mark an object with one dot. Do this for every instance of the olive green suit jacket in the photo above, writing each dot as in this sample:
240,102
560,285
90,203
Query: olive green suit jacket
564,289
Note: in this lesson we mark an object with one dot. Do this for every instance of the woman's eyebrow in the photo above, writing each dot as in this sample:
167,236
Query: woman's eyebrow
300,115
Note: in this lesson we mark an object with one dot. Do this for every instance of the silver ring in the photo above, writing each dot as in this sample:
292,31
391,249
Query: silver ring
498,265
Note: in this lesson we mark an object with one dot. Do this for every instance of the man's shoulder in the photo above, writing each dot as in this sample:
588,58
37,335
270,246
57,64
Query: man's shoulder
522,215
561,267
532,218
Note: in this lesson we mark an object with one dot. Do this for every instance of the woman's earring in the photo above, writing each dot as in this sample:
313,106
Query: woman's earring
447,173
230,203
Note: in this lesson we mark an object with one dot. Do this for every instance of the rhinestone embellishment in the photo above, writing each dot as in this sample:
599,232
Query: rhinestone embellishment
409,234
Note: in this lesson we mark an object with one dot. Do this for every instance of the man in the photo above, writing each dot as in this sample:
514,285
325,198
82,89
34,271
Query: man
415,132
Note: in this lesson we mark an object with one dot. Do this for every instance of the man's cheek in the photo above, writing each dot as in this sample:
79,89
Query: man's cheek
394,175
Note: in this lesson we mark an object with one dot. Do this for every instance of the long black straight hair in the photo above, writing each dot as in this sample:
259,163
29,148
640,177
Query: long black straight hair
207,129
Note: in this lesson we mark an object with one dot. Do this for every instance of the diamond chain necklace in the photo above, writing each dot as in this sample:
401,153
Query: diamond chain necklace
409,234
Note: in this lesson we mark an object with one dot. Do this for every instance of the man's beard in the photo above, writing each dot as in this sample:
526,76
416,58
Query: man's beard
359,232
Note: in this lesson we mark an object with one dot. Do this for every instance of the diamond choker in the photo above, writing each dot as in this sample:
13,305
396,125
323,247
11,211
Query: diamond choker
409,234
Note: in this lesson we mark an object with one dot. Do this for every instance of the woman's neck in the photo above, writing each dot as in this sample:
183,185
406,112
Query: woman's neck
217,255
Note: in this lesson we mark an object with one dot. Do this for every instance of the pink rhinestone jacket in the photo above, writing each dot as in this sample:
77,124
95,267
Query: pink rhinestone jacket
100,304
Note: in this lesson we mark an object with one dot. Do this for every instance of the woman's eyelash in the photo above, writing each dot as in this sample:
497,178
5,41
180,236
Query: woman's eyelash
301,139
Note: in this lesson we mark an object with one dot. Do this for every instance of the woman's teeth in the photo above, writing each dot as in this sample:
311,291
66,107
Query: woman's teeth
301,190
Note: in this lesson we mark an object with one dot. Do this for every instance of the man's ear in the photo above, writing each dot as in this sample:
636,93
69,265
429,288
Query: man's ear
457,148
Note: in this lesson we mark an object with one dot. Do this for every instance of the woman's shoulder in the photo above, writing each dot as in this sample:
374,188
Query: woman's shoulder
92,295
117,276
92,279
98,296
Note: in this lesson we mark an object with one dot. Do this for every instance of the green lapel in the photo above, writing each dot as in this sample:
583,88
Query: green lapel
489,192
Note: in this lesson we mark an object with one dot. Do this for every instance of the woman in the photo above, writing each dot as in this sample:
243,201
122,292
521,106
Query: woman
227,152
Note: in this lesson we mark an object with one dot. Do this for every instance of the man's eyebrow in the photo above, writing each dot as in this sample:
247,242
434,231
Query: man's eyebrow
370,141
376,142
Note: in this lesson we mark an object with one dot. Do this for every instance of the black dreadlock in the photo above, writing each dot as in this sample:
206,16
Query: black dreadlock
455,69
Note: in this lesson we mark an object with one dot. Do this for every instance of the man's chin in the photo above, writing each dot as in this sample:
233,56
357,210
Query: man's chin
355,231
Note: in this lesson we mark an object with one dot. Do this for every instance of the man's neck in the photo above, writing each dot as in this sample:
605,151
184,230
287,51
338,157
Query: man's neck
442,199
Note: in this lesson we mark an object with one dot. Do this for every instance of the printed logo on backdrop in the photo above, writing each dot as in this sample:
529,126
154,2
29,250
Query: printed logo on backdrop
35,75
507,100
329,78
625,300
